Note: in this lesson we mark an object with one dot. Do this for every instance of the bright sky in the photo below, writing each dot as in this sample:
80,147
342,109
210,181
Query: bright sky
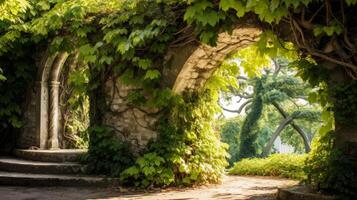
233,105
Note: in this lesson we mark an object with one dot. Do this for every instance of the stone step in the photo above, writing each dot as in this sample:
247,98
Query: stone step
61,155
24,179
302,193
36,167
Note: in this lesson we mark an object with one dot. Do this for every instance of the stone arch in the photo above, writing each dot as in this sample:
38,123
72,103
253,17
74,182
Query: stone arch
54,107
186,66
199,65
42,98
47,101
197,62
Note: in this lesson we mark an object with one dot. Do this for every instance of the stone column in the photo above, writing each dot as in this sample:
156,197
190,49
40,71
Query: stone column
42,127
53,142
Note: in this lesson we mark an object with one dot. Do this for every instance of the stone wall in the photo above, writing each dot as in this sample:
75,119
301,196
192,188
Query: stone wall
132,124
27,136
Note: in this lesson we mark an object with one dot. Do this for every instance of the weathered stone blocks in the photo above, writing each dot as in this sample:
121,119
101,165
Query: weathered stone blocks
132,124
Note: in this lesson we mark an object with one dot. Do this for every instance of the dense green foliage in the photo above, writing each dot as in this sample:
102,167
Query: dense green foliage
230,131
331,169
115,42
19,70
188,150
107,154
74,106
13,10
328,168
344,102
282,165
250,130
76,134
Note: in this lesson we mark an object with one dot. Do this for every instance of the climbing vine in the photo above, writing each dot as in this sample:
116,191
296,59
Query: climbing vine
18,68
250,127
195,157
329,168
107,154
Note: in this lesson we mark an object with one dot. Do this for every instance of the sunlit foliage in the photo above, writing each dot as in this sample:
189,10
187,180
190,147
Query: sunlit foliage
282,165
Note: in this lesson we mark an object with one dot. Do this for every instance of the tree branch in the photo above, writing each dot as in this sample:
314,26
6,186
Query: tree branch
242,78
296,127
277,67
239,110
277,132
249,96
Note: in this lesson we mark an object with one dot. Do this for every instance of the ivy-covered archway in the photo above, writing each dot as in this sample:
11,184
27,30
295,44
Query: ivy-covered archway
129,47
44,105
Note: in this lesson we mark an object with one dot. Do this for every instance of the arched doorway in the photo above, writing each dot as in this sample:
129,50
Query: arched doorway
44,128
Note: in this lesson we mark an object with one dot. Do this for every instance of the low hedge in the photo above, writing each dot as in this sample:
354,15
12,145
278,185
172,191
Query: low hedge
281,165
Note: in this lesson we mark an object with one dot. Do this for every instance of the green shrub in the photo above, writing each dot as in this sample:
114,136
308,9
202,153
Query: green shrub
230,135
282,165
19,69
331,171
107,154
150,169
318,160
188,151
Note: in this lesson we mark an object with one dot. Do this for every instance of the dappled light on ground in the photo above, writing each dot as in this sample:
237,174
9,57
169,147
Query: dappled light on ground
233,187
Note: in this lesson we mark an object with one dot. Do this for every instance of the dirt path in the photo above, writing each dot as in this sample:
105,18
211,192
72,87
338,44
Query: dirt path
233,187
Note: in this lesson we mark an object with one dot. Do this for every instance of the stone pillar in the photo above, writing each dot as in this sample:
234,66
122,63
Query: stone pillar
53,142
42,127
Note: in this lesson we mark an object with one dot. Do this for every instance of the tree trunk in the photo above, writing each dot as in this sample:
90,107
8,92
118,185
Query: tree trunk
342,170
345,118
277,132
97,101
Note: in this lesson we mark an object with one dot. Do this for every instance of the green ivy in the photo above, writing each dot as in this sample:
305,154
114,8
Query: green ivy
328,168
107,154
149,170
230,132
18,68
344,102
188,151
331,171
250,127
13,10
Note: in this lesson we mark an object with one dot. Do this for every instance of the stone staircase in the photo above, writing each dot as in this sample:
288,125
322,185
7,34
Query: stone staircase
48,168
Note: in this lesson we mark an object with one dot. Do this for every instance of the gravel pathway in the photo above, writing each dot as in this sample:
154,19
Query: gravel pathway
233,187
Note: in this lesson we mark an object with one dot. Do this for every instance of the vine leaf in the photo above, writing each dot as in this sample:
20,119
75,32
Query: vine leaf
152,74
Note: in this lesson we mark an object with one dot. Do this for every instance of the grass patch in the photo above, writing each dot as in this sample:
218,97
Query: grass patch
281,165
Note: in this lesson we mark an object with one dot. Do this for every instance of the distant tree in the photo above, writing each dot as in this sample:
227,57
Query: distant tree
230,134
279,89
